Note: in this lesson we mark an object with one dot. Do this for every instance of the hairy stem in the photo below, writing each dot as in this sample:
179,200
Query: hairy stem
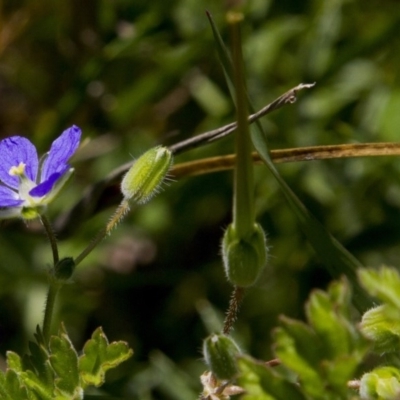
49,308
120,212
233,310
52,238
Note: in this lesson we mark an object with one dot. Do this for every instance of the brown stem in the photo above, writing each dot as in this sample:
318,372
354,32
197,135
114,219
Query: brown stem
273,363
313,153
233,310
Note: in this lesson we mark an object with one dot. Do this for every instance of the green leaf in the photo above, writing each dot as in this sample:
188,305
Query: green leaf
383,284
38,362
3,387
64,361
36,388
326,354
100,356
329,325
14,361
13,386
29,382
262,383
335,257
382,325
287,351
339,372
307,342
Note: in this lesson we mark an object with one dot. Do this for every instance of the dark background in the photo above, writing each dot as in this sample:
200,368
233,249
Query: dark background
134,74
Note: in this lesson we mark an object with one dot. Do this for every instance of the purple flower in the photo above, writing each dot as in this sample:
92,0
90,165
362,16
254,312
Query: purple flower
27,185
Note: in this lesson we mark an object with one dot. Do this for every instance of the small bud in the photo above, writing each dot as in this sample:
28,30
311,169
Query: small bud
244,259
64,269
381,383
220,353
381,324
146,175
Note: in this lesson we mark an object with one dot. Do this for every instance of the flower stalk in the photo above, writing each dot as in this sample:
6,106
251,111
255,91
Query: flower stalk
120,212
243,204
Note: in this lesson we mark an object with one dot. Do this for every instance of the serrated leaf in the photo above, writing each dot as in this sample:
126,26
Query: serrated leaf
64,361
14,361
35,387
339,346
100,356
306,340
288,353
262,383
39,363
13,386
339,372
4,395
15,364
336,259
331,328
383,284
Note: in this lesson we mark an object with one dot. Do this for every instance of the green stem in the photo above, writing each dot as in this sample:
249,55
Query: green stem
120,212
54,287
243,204
48,313
52,238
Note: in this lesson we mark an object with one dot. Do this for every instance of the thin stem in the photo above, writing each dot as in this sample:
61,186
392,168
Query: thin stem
288,97
52,238
243,198
48,313
120,212
234,305
273,363
313,153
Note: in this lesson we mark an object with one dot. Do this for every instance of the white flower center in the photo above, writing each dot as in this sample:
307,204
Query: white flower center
25,185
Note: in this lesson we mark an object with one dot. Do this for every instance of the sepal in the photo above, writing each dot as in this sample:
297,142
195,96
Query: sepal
244,258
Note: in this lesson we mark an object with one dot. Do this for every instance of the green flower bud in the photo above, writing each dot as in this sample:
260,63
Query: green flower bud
244,259
381,324
64,269
146,175
220,353
382,383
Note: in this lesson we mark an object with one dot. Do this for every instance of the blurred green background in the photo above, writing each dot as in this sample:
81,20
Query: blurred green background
133,74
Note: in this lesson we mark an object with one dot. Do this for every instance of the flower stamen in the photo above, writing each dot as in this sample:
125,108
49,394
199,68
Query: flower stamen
17,171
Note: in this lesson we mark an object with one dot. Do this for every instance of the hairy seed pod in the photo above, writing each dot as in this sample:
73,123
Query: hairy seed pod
244,258
146,175
220,353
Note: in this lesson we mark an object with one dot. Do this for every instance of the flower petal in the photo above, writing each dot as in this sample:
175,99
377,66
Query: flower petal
60,152
45,187
9,198
13,151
